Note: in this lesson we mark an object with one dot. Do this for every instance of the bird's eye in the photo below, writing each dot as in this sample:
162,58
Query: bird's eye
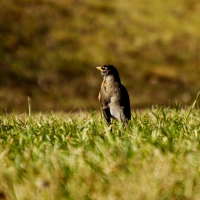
105,68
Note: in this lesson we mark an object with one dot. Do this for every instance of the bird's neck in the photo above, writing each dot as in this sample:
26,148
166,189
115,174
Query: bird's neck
111,78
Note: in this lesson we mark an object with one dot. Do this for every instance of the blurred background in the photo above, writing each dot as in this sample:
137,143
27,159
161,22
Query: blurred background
49,50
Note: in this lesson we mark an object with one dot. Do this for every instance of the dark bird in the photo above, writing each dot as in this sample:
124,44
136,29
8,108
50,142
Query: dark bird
113,96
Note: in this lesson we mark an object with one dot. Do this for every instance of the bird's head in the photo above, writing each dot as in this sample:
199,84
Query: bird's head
109,70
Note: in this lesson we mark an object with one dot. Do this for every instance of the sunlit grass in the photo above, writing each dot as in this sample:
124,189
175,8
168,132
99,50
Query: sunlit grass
49,156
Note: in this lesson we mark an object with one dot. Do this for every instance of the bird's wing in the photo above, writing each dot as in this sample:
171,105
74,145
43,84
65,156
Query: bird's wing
125,103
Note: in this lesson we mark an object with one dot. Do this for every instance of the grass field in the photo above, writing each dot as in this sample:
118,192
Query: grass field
49,50
62,156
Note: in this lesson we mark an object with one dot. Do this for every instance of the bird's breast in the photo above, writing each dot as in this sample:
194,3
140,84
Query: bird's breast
103,83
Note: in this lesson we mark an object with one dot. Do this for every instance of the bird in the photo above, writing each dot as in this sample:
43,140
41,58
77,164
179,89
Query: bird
113,96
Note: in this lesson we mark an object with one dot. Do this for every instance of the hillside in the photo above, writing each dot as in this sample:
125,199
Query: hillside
49,50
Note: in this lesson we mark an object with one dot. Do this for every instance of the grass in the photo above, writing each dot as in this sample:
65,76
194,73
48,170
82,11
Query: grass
58,156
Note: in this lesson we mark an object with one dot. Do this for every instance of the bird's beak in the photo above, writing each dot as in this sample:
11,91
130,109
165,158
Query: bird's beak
99,68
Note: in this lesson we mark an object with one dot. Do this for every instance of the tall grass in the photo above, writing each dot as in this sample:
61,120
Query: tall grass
51,156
